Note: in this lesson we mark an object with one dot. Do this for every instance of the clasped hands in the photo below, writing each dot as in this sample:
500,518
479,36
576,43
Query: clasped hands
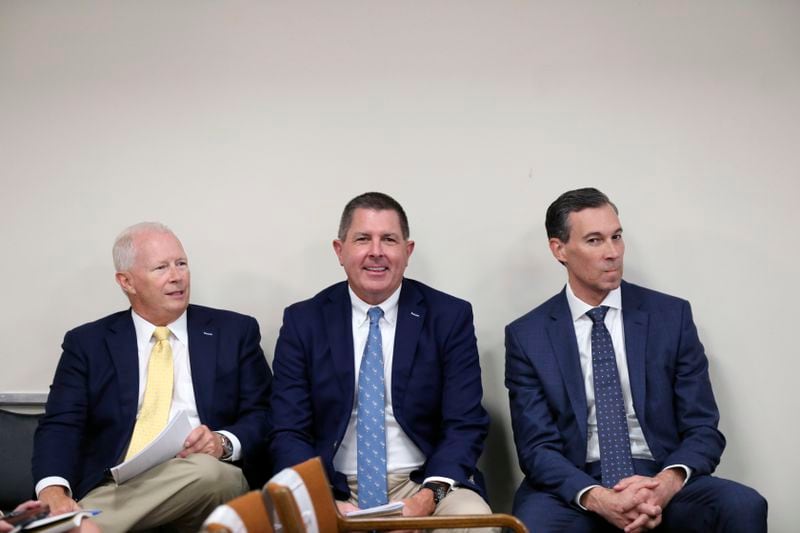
635,503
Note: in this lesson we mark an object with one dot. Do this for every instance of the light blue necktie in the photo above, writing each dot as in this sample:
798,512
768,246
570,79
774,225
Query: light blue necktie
615,446
371,430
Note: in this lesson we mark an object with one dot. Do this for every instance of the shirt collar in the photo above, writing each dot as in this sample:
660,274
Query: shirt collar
144,329
578,307
389,306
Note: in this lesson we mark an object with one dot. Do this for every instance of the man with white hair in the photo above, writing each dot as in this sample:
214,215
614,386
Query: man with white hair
122,378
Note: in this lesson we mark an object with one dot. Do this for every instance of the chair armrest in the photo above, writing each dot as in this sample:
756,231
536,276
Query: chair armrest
432,522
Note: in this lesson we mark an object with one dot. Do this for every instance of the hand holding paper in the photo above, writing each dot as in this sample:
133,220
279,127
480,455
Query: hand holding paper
165,446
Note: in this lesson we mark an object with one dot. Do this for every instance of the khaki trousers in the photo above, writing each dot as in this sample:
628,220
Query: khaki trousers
459,501
180,492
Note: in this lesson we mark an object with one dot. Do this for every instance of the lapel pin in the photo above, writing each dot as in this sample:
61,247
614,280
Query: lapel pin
414,314
208,333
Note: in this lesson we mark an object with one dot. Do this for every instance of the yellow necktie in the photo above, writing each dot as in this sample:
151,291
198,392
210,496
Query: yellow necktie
154,413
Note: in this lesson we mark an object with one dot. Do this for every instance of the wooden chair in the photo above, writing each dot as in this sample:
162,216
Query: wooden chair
250,509
324,517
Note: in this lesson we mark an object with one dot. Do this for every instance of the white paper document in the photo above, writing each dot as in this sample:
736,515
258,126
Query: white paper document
164,447
61,522
379,510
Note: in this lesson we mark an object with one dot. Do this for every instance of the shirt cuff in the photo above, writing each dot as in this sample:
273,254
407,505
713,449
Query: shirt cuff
440,479
684,468
580,495
53,480
237,446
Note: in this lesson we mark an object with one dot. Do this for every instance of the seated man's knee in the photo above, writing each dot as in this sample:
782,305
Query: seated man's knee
720,504
463,501
745,504
544,512
223,479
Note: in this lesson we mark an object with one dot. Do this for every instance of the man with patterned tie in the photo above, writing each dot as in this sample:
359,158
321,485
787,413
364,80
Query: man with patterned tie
122,378
380,376
614,418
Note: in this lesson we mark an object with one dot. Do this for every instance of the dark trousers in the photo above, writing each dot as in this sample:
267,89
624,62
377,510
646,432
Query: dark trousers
704,504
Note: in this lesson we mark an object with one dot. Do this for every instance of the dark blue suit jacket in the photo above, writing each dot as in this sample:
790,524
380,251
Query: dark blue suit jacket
91,408
671,390
436,382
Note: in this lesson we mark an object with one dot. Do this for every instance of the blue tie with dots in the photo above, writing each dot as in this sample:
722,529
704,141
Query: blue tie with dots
370,428
615,447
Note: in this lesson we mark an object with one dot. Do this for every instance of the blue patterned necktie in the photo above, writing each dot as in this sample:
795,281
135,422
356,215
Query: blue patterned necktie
370,429
615,447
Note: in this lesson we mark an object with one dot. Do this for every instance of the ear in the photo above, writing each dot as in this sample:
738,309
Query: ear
337,247
409,249
124,281
557,249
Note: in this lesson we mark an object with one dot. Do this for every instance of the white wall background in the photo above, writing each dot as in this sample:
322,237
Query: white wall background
246,126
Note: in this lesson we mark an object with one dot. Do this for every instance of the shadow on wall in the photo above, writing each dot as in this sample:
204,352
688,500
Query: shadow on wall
499,463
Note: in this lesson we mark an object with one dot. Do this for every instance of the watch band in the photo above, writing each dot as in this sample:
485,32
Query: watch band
227,447
440,489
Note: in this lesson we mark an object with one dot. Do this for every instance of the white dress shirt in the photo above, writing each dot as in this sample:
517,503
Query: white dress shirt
402,455
583,334
182,389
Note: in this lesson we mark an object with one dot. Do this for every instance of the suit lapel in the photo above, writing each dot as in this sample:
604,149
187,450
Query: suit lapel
338,316
561,332
635,323
203,347
121,343
410,318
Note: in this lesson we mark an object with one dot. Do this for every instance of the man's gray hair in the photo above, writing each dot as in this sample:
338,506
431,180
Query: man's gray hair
124,252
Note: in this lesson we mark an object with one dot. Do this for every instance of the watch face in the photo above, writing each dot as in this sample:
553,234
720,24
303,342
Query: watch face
227,446
440,490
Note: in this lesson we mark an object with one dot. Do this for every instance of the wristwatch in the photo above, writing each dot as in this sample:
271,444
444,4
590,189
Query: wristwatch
227,447
440,490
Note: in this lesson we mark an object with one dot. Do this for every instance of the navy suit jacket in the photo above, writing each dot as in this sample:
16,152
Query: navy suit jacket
92,405
436,383
670,386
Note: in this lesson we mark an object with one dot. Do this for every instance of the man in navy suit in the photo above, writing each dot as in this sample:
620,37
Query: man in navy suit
666,405
435,425
219,378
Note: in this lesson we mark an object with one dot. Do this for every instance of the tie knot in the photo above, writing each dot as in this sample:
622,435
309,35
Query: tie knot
161,333
374,314
598,314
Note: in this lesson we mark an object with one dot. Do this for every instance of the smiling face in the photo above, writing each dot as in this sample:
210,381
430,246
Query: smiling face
157,284
374,254
593,254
